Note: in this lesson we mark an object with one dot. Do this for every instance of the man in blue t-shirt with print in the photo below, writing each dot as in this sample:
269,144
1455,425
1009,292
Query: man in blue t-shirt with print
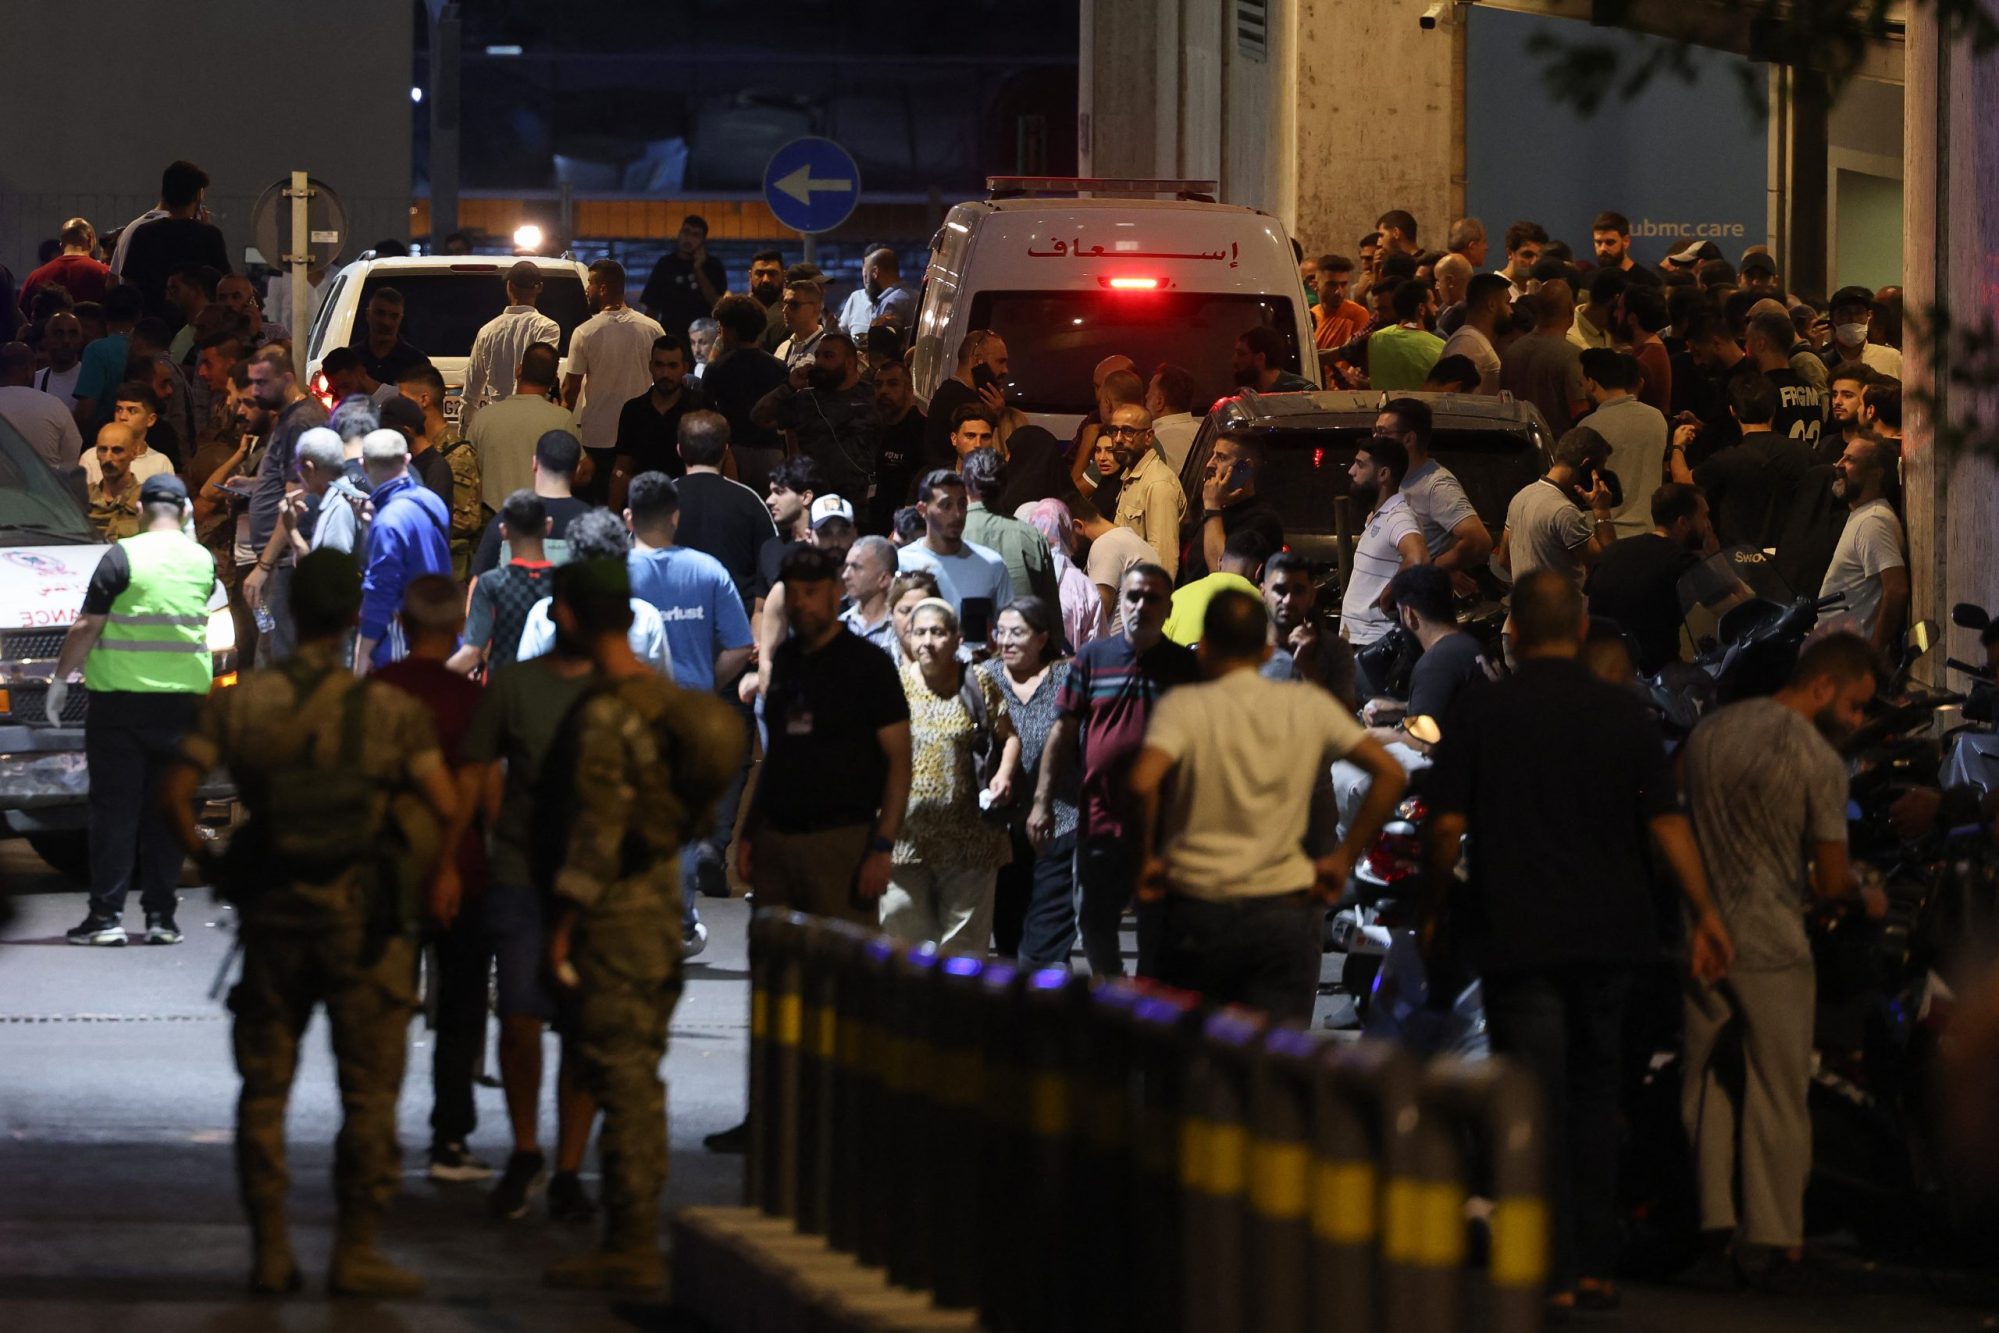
707,636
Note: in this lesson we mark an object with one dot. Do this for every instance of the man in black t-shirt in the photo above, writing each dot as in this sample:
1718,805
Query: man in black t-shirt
687,281
649,425
1562,784
901,447
723,518
1801,405
1749,485
837,768
1230,504
1636,583
736,381
1422,598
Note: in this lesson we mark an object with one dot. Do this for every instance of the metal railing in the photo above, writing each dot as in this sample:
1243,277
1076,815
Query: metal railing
1055,1156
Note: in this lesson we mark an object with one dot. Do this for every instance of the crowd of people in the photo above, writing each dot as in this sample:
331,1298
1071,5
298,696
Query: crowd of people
1003,685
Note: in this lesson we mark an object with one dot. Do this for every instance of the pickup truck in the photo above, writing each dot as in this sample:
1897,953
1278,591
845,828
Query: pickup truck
48,551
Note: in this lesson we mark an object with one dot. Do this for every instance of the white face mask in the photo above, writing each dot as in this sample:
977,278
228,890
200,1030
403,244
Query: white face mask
1850,335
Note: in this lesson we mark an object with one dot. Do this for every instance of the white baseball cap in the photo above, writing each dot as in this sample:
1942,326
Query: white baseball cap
830,506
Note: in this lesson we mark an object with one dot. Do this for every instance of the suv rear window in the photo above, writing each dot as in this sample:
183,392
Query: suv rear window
36,509
1055,339
443,312
1306,470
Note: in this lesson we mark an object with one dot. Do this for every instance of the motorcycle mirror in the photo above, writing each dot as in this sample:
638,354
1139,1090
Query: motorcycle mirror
1922,638
1424,729
1966,615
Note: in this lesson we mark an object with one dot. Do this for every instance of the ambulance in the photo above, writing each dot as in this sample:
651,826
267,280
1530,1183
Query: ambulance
48,551
1070,271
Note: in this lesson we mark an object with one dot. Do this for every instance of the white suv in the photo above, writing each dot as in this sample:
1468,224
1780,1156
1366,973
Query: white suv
446,300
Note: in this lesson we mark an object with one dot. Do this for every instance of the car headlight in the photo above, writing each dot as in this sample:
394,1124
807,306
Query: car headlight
221,631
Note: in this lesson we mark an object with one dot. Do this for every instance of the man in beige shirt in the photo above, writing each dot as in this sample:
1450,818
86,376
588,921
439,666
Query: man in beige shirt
504,435
1151,502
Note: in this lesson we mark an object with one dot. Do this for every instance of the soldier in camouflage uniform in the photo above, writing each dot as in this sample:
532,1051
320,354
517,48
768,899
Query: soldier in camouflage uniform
114,497
331,937
650,759
423,384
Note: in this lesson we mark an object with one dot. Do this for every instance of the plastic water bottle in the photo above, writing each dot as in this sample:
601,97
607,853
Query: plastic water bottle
266,622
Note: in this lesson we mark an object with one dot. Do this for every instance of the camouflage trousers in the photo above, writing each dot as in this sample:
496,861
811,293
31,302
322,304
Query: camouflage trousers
368,987
626,951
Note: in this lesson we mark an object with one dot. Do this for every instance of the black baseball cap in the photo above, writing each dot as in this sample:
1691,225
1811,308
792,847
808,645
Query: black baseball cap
162,486
400,413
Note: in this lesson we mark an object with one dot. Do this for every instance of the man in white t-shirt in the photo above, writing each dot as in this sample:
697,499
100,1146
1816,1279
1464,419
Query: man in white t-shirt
610,363
1486,304
1234,763
1547,526
971,577
1868,567
40,418
62,346
1392,541
1113,550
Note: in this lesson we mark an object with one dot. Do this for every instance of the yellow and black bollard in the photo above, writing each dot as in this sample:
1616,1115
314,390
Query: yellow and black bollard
1002,1157
912,1239
1501,1105
1107,1102
958,1127
1164,1026
881,1157
1363,1110
847,1111
1214,1171
1280,1181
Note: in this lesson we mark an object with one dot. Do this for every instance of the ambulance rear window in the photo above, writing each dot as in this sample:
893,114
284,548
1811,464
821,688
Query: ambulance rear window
1055,339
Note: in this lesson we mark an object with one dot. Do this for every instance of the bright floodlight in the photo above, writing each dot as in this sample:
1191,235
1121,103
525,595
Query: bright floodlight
527,236
416,93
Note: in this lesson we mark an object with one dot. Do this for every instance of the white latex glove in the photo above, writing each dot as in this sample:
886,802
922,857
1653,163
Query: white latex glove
58,696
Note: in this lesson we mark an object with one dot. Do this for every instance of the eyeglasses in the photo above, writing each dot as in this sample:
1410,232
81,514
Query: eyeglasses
1005,635
1127,432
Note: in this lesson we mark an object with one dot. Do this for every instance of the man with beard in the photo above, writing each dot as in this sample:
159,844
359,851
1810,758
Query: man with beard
830,414
1846,390
649,425
62,346
881,295
609,356
1390,542
114,496
1635,584
1259,363
1767,791
1868,569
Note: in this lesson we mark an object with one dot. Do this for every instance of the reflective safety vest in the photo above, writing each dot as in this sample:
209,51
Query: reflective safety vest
155,638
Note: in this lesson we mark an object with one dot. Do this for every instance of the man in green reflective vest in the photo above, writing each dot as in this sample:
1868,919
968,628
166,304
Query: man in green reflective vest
142,642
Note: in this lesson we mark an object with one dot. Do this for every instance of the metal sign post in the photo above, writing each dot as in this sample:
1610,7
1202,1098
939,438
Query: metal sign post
298,258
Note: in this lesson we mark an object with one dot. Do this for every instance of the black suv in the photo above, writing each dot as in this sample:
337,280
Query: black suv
1495,446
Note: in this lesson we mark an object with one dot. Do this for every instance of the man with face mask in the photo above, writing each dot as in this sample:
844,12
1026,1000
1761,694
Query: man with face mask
1635,585
1868,568
830,415
1852,310
1767,791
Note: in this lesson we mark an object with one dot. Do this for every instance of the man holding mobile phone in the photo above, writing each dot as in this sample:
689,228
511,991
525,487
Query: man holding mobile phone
1229,504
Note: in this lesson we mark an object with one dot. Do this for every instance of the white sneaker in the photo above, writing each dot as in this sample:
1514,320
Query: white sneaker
693,944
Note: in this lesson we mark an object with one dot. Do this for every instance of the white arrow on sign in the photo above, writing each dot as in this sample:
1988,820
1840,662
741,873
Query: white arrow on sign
800,185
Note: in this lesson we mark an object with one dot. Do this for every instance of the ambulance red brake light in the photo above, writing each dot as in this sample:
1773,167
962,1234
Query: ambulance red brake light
1132,284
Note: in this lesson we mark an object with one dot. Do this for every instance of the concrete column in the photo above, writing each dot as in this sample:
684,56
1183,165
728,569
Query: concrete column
1379,121
1951,154
1119,103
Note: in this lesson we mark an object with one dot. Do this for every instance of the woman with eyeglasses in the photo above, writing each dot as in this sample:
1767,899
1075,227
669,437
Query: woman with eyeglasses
941,887
1034,911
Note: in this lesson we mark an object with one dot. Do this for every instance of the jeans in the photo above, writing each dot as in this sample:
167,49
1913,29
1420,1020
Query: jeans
129,836
463,957
1106,873
1034,910
1262,952
1563,1028
282,641
713,849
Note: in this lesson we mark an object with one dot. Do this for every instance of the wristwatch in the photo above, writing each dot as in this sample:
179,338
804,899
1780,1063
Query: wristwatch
881,844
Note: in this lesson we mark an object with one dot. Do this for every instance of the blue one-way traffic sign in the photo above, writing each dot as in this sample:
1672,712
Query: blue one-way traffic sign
811,185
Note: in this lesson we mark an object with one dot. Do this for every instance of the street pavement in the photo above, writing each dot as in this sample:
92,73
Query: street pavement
117,1193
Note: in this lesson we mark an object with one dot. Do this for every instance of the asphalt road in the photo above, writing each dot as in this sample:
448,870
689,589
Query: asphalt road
117,1195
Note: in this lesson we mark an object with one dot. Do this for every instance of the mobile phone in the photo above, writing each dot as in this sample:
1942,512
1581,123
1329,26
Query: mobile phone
982,376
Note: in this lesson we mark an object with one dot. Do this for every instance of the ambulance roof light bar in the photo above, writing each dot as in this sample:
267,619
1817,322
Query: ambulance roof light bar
1015,187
